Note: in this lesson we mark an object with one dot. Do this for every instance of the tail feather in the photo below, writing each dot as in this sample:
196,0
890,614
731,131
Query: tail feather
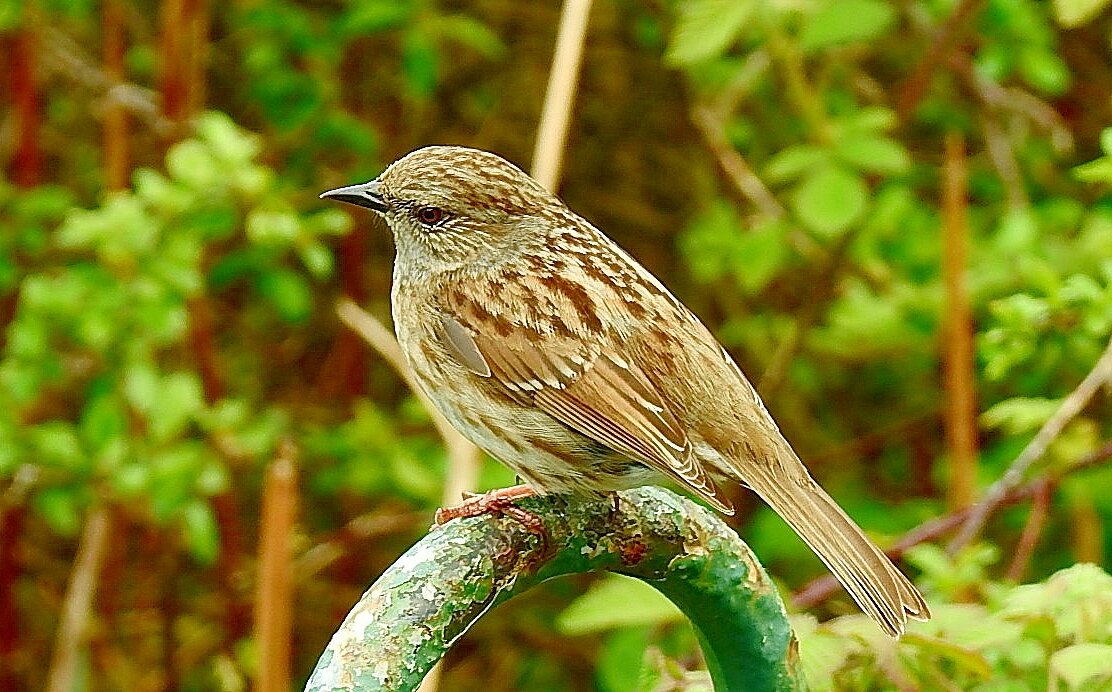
881,590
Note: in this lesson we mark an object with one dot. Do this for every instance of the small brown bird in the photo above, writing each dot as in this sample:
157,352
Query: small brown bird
552,349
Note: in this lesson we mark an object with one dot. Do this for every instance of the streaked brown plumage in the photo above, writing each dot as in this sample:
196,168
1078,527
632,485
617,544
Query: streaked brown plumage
551,348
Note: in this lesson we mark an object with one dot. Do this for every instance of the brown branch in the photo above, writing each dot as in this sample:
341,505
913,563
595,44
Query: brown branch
11,531
960,369
559,97
734,165
344,369
27,163
1029,539
818,295
822,588
360,529
1071,406
274,589
915,88
63,57
116,150
77,607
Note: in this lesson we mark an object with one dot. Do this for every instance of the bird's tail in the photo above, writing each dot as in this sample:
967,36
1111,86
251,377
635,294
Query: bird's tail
881,590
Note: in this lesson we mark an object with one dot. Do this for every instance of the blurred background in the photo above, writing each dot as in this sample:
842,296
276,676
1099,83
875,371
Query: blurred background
895,215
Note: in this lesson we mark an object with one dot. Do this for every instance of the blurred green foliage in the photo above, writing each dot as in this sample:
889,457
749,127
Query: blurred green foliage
159,342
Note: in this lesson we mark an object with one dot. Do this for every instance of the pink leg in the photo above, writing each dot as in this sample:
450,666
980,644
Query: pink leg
496,502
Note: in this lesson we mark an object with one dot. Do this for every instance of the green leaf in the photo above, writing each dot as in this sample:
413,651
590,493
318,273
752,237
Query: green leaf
1098,171
873,154
761,254
830,200
58,507
273,227
473,34
191,163
226,140
1073,13
616,601
621,654
201,534
1083,664
706,28
102,420
710,242
1020,415
1045,70
317,259
420,62
365,18
55,443
1106,140
289,294
846,21
793,161
178,401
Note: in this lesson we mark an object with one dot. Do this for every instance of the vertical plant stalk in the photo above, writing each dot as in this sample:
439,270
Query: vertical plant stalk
11,529
172,84
202,340
27,164
182,48
274,591
344,369
960,369
559,96
117,155
1087,529
196,53
74,621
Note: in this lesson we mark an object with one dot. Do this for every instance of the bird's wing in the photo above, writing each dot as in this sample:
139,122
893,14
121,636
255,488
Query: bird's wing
594,392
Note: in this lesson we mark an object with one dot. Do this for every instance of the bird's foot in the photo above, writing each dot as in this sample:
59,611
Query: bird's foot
501,502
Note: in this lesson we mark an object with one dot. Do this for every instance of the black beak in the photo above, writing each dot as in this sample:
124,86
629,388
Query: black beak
365,195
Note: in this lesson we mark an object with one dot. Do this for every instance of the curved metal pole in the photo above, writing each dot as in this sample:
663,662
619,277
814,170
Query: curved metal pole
434,592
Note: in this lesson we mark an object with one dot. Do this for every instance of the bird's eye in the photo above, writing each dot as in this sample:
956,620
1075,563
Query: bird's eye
430,216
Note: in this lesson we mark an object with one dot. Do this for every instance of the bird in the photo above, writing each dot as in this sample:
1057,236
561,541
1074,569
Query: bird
555,351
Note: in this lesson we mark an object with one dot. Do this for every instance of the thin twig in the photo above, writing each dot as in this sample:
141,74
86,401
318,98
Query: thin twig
76,609
913,90
361,528
1029,539
64,57
560,95
1071,406
734,165
1003,157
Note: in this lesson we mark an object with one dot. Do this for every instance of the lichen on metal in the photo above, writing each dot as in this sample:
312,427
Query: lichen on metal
431,595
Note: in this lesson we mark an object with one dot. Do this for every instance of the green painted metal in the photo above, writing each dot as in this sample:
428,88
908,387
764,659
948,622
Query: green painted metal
434,592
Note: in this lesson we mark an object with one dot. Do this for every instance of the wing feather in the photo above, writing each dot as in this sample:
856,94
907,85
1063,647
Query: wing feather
597,394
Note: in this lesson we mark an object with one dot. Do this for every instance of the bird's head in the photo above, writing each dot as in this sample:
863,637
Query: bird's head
449,207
